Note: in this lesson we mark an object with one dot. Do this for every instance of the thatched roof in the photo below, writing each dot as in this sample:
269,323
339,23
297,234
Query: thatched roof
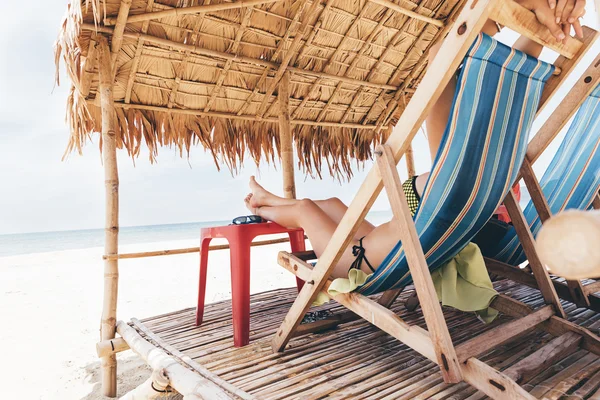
211,78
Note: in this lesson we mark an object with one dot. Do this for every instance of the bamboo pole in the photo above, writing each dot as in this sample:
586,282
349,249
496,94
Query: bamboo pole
405,11
117,39
111,234
410,161
178,12
188,250
285,138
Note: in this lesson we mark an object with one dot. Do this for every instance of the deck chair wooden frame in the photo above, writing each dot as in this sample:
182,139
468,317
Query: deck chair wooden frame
573,291
456,363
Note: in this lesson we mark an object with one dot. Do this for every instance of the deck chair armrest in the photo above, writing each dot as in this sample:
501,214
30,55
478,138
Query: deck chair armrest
524,22
305,255
295,264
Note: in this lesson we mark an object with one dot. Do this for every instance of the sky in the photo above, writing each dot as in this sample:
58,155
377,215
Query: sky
39,192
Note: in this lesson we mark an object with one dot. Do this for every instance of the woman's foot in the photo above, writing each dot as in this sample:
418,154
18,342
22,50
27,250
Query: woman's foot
260,196
248,201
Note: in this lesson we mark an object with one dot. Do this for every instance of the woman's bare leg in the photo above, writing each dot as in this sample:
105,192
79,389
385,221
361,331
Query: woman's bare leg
319,227
334,208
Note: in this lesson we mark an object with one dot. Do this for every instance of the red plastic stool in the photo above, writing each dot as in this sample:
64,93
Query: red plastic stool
239,238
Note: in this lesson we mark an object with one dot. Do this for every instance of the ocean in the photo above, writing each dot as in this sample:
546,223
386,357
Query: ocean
39,242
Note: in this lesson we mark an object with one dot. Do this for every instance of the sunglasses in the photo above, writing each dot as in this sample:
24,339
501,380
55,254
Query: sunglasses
247,219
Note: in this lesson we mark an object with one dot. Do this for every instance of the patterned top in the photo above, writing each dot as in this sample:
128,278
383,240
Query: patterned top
412,196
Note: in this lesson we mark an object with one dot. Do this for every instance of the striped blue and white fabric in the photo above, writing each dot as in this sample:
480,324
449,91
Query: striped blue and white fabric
570,182
484,144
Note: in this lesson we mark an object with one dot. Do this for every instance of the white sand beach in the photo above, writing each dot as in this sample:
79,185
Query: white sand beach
50,306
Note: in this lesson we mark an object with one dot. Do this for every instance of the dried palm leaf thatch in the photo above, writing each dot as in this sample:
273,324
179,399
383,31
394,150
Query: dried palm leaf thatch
206,72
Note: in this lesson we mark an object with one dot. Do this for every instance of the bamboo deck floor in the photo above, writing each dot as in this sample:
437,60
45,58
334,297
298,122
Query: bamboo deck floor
357,360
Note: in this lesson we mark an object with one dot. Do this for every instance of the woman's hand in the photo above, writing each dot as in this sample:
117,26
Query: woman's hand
545,16
568,11
547,11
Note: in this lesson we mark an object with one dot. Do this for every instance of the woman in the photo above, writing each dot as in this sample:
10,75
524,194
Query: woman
371,244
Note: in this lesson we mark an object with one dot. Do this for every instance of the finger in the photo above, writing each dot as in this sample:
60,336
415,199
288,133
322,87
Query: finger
578,29
560,6
567,11
578,11
553,27
552,4
566,28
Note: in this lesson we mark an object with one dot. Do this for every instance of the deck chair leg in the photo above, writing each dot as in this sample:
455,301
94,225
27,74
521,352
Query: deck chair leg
460,36
596,202
412,303
432,311
544,212
389,296
539,270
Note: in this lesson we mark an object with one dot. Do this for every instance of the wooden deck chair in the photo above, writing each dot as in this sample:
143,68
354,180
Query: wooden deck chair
522,96
572,181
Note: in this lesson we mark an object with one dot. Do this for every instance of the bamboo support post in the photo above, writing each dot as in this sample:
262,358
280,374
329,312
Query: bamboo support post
285,138
106,348
111,225
180,378
177,12
568,244
410,161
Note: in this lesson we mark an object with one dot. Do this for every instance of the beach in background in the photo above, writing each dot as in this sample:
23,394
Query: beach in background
51,300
